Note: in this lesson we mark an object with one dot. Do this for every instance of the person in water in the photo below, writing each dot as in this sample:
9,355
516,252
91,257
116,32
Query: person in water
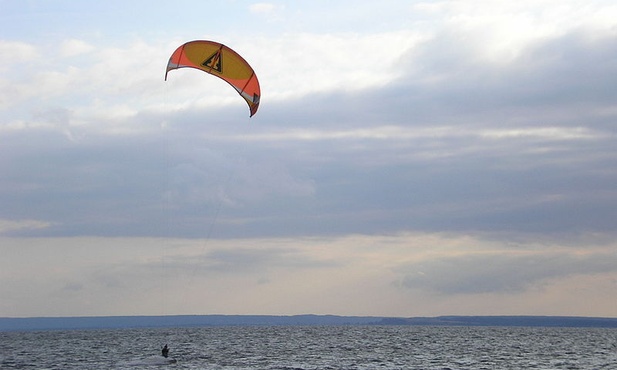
165,351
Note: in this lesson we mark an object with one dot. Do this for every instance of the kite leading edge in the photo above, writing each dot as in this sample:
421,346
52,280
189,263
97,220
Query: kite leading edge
221,61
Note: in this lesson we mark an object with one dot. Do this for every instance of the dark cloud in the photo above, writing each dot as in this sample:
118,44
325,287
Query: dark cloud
501,273
242,260
456,144
234,260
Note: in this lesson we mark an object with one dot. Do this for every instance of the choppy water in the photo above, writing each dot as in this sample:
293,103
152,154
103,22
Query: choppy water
308,348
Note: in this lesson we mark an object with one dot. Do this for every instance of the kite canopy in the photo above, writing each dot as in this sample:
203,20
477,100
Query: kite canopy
219,60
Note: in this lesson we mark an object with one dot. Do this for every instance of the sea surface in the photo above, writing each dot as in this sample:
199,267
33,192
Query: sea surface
314,347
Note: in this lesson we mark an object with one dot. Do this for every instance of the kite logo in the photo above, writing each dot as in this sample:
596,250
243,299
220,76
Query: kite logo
214,61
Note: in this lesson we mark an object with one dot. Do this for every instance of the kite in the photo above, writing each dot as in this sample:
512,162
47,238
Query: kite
219,60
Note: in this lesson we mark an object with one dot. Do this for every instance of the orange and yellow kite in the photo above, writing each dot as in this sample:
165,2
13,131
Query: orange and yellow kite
219,60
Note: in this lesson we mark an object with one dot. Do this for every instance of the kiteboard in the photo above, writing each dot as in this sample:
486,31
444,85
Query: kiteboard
152,360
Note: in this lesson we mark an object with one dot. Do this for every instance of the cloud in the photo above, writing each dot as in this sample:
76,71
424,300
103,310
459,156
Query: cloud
263,8
8,226
453,145
73,287
502,273
405,158
16,52
420,133
74,47
242,260
353,274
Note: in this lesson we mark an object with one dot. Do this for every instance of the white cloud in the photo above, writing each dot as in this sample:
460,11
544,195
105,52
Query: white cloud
8,226
499,31
263,8
14,52
300,64
74,47
116,83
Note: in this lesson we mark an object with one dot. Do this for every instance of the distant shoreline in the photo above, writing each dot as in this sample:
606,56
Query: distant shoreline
118,322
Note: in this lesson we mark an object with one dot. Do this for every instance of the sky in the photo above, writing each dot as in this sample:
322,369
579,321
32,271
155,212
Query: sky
409,158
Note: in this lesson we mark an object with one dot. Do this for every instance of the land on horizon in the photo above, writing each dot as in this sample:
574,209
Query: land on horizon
117,322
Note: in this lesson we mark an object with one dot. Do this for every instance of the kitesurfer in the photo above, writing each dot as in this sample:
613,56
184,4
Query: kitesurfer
165,351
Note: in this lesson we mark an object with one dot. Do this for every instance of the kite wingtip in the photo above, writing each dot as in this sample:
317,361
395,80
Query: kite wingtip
253,110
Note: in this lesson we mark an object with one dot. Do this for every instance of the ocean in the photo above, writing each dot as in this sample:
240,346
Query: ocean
314,347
